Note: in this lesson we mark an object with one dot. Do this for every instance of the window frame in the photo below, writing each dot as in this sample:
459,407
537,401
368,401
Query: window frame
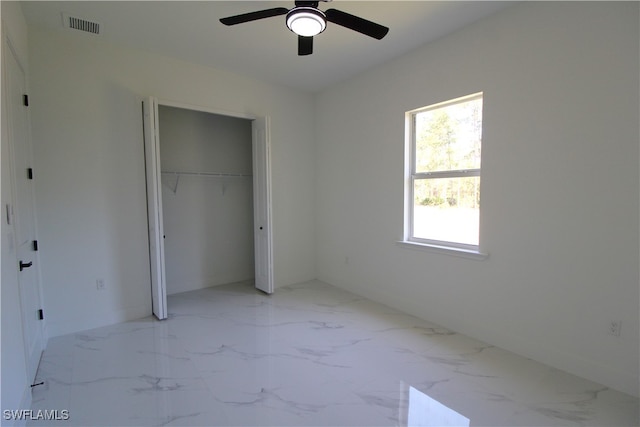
411,176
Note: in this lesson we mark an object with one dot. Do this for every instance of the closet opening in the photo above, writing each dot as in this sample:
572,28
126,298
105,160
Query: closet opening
208,188
207,198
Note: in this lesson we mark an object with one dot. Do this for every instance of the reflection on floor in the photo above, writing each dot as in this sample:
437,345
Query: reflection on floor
308,355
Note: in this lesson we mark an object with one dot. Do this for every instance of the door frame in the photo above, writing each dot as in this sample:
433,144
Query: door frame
266,167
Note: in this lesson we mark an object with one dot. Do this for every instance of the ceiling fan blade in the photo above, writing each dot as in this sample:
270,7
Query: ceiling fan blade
305,45
356,23
254,16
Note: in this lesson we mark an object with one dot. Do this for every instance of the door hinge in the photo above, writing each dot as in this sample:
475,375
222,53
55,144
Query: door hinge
8,212
41,314
35,245
30,173
25,100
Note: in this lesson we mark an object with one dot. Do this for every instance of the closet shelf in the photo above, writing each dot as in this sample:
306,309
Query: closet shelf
215,175
171,178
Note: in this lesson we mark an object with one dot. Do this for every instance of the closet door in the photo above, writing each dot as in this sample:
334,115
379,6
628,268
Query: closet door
262,205
154,207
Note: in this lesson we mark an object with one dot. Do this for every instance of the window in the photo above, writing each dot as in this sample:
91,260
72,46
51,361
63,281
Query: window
443,171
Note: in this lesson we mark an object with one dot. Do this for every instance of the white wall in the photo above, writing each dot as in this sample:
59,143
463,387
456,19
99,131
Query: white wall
87,133
208,221
15,26
560,181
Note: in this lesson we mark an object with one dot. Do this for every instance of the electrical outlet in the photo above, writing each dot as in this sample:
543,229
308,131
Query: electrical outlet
614,327
100,284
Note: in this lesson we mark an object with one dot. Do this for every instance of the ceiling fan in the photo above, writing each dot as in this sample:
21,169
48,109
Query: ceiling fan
306,20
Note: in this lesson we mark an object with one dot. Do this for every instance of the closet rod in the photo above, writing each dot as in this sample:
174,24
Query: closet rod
223,175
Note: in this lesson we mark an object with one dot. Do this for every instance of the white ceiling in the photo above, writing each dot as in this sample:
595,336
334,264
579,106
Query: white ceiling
265,49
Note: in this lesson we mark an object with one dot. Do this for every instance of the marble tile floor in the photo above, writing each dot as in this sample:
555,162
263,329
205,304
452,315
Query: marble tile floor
308,355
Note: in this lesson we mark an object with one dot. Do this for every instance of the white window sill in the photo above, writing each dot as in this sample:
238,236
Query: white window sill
445,250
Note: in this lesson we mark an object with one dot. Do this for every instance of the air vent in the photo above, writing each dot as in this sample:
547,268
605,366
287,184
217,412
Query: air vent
81,24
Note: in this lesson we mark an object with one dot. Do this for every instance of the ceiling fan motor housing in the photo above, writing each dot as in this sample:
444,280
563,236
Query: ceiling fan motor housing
306,21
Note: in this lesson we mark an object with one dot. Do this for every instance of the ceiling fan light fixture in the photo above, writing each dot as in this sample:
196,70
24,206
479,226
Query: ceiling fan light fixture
306,21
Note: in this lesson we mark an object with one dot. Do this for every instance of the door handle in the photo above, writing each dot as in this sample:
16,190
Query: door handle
24,265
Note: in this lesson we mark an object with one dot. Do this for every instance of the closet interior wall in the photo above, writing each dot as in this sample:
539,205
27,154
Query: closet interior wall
207,198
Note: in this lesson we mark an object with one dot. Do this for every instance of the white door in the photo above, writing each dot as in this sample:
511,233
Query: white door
263,240
154,207
23,216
